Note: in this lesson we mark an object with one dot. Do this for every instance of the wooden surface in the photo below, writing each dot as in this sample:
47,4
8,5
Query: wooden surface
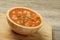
49,9
44,33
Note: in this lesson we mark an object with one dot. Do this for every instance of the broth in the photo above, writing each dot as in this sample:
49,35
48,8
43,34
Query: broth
25,17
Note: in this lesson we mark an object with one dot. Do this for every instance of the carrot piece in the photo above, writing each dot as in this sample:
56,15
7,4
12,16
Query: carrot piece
32,15
31,23
27,24
18,21
19,12
24,15
37,22
13,12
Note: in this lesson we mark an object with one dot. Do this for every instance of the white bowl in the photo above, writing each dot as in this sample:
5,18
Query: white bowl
22,29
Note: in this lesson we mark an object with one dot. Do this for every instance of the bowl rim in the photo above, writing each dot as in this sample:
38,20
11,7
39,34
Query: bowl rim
21,25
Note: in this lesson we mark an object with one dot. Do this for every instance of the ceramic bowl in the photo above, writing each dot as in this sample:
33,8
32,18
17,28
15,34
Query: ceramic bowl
22,29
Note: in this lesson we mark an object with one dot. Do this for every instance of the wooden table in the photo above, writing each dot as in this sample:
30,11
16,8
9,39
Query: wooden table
6,33
49,9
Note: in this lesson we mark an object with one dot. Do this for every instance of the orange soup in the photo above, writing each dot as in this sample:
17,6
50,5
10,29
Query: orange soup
25,17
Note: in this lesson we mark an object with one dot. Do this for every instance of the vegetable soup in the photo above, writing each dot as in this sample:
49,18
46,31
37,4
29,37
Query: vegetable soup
25,17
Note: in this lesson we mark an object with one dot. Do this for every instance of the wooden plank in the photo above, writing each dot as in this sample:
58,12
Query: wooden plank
6,33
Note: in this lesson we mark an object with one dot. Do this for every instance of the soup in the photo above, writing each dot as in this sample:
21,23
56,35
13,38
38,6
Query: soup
24,17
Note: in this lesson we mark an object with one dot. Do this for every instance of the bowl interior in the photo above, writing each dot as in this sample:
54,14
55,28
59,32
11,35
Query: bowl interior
21,25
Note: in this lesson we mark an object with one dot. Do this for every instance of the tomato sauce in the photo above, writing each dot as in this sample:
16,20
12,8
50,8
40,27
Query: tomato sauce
24,17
